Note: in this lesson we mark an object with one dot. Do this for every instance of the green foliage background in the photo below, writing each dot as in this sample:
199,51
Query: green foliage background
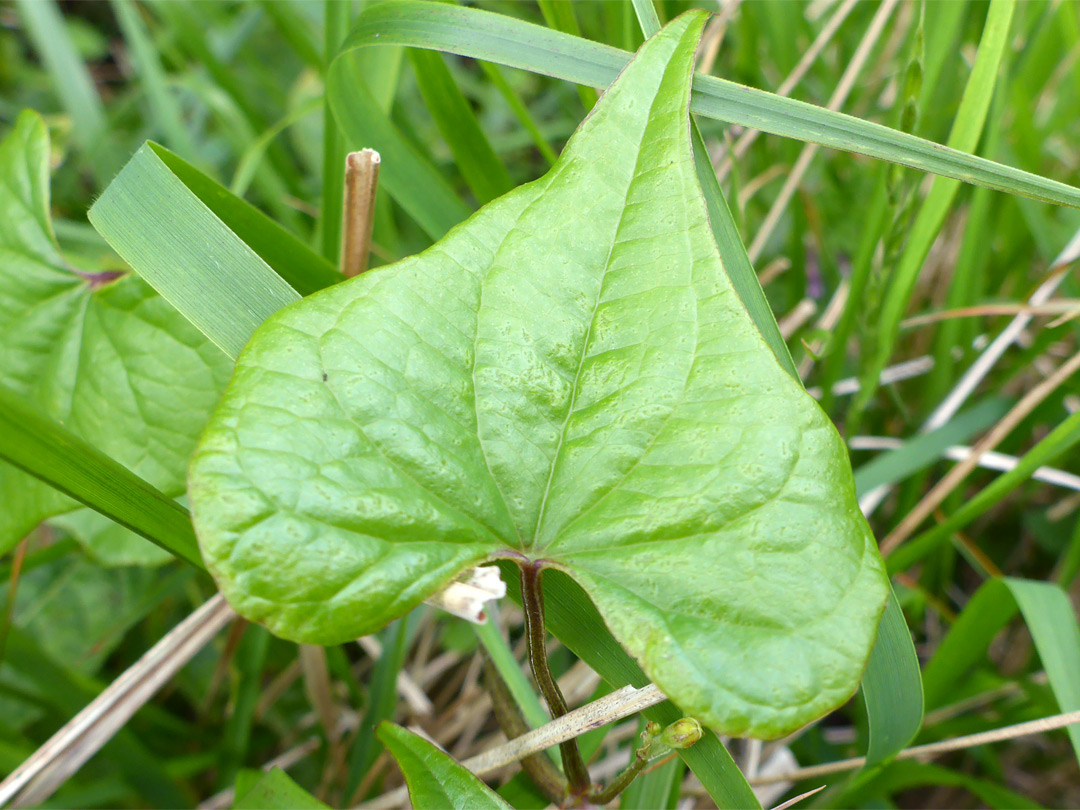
237,90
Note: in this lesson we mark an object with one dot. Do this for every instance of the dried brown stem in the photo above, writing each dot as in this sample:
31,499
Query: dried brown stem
361,180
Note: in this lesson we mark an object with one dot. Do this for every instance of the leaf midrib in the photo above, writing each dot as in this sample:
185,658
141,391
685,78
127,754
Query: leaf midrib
592,319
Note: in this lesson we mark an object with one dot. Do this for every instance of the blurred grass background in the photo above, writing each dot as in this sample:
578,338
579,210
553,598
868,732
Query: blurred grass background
237,89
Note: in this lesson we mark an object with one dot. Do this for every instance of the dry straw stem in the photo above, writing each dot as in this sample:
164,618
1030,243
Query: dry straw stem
986,361
839,96
990,460
958,473
714,35
361,180
981,367
628,701
901,371
1067,308
66,751
796,799
619,704
823,38
931,749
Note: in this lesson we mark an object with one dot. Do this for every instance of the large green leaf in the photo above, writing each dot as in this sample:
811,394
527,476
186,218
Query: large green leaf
96,350
568,378
435,780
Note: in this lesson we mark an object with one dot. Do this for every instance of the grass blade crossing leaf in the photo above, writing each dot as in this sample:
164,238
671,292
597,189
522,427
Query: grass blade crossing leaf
179,246
892,684
515,43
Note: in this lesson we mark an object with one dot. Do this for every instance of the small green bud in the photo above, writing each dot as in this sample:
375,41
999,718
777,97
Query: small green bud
652,729
682,733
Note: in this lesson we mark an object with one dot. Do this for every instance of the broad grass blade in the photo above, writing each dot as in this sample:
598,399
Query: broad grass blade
62,460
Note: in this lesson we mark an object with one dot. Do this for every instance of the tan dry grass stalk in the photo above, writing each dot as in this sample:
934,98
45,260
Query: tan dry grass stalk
84,735
933,749
952,479
619,704
361,180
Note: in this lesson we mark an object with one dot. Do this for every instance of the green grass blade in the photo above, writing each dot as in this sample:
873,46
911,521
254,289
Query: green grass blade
654,788
968,126
923,450
405,174
165,111
382,698
559,14
516,680
477,161
253,152
183,18
336,22
62,460
518,108
515,43
184,251
1061,439
69,78
892,688
304,269
236,733
1050,618
908,775
294,29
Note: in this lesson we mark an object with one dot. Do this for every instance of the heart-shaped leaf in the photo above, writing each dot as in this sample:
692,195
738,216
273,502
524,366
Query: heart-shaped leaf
97,350
567,378
435,780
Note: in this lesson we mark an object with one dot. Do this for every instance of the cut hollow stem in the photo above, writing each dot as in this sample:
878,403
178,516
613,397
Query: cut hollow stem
532,600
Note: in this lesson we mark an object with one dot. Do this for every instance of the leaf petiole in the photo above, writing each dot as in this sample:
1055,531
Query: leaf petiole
532,600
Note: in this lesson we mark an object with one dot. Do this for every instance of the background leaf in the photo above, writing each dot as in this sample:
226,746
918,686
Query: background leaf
435,780
276,791
93,348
